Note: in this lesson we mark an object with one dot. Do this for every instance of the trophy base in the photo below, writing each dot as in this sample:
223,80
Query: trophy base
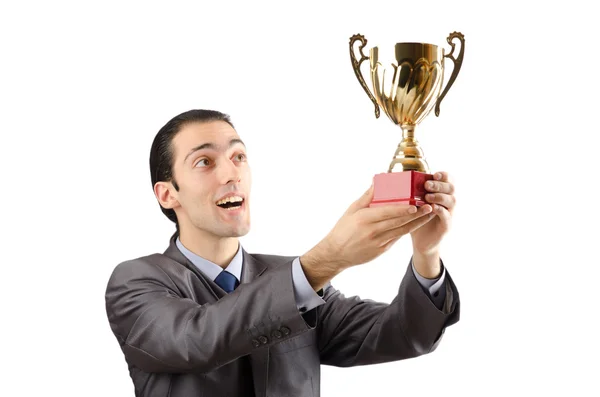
406,187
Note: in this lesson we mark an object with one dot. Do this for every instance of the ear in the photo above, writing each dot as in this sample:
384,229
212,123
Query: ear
166,194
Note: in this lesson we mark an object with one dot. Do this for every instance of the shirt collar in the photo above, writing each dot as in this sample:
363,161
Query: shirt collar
211,269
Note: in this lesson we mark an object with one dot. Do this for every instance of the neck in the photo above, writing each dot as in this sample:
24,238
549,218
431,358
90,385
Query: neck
218,250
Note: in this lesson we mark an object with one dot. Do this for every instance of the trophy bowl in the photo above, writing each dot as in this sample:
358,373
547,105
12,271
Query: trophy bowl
406,82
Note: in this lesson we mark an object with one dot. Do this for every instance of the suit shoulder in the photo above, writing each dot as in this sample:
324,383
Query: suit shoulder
148,266
273,260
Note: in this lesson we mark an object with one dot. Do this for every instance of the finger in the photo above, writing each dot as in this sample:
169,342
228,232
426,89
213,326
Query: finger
445,200
392,210
444,215
363,201
442,176
439,187
396,222
405,229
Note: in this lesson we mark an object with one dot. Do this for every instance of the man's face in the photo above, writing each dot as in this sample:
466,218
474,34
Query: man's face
209,164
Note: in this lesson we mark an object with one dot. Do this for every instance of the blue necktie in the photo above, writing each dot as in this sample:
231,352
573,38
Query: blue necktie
227,281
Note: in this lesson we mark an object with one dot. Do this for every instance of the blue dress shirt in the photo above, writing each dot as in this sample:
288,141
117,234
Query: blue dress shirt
306,297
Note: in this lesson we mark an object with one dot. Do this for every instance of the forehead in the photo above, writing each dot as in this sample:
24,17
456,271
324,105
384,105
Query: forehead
194,134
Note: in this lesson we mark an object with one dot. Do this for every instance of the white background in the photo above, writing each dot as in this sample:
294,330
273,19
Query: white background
85,86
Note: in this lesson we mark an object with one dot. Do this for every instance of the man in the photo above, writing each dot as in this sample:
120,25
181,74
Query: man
206,318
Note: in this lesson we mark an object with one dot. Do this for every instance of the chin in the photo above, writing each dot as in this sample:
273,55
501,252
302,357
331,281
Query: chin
239,231
243,231
242,234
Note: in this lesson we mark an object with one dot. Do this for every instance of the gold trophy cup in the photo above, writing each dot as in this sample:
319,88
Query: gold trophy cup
406,83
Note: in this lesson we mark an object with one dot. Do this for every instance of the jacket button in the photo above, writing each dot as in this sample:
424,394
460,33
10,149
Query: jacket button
276,334
263,339
255,342
285,330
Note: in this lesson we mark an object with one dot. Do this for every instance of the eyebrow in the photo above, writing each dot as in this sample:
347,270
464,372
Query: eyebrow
212,146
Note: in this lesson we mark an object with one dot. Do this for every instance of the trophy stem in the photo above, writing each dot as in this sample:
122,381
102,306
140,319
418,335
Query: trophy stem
409,155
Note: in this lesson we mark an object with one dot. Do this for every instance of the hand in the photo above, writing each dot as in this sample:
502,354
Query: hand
361,235
427,238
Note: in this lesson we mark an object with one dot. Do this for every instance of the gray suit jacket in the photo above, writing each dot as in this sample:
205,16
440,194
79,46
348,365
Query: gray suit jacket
182,335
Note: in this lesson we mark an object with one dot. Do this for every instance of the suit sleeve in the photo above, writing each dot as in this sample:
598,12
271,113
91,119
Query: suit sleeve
159,331
360,332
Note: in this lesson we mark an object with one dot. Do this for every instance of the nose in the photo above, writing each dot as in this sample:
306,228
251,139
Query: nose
229,172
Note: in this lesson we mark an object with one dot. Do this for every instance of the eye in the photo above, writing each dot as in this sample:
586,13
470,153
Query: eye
203,163
241,157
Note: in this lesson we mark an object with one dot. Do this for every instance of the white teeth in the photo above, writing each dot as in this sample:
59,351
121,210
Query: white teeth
232,199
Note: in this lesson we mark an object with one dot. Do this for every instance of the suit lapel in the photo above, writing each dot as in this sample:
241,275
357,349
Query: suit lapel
259,358
173,252
251,269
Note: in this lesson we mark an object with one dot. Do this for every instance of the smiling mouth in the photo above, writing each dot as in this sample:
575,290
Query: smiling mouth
230,202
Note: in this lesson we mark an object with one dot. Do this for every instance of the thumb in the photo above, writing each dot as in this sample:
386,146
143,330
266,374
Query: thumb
363,201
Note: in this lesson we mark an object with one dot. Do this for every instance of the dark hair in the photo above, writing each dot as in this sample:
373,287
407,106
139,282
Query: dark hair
161,152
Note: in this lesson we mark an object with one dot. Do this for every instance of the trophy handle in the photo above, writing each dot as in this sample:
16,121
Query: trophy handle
457,64
356,67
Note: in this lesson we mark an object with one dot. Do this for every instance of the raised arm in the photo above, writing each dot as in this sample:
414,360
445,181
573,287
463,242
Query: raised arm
354,331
